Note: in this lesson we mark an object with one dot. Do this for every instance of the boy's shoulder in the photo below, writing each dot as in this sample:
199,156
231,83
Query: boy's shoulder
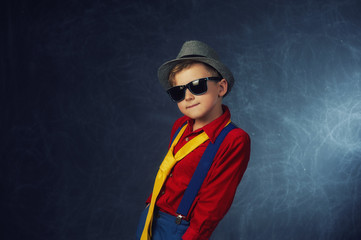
177,124
236,142
180,121
238,133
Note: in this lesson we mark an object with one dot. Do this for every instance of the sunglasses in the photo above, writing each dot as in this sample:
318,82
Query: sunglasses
196,87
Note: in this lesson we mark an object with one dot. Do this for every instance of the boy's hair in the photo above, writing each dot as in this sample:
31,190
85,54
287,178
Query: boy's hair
187,64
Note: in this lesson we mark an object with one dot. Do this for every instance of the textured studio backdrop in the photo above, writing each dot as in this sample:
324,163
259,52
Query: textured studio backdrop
85,124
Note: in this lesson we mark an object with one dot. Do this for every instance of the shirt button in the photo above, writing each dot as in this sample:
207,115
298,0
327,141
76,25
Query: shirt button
162,193
187,139
170,175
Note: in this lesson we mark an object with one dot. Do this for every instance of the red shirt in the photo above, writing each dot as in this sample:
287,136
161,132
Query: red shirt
219,187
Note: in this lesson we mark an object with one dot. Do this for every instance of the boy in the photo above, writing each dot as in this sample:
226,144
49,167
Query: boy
197,81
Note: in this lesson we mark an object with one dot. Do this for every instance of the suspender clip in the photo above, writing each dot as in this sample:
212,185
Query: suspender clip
179,218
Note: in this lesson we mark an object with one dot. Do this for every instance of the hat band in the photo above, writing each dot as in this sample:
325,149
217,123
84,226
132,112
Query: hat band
187,56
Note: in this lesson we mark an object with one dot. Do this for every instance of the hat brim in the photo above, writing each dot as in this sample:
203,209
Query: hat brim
164,70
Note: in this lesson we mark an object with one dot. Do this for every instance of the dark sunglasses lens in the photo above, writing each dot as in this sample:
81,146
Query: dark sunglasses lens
198,87
177,93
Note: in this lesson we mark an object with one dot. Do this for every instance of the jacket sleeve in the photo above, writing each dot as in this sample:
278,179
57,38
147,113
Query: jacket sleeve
218,190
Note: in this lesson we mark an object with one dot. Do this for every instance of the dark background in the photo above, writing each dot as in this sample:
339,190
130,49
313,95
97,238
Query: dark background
85,123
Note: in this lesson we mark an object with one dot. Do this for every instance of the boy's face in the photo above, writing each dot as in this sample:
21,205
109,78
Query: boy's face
202,108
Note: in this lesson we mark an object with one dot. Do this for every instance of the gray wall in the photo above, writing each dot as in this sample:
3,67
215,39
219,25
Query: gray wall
85,124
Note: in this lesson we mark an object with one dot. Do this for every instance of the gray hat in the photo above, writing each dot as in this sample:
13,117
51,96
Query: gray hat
198,51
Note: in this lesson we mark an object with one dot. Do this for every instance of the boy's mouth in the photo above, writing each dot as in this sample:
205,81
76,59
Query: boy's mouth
191,106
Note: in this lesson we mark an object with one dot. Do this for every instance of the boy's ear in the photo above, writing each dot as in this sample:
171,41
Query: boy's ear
223,87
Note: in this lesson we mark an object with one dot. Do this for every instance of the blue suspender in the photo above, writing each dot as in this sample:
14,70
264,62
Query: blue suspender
200,172
176,133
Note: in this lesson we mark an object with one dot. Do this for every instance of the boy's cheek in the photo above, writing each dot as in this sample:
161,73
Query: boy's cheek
181,105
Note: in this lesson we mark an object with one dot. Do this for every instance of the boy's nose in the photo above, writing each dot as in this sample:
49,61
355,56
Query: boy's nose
189,95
